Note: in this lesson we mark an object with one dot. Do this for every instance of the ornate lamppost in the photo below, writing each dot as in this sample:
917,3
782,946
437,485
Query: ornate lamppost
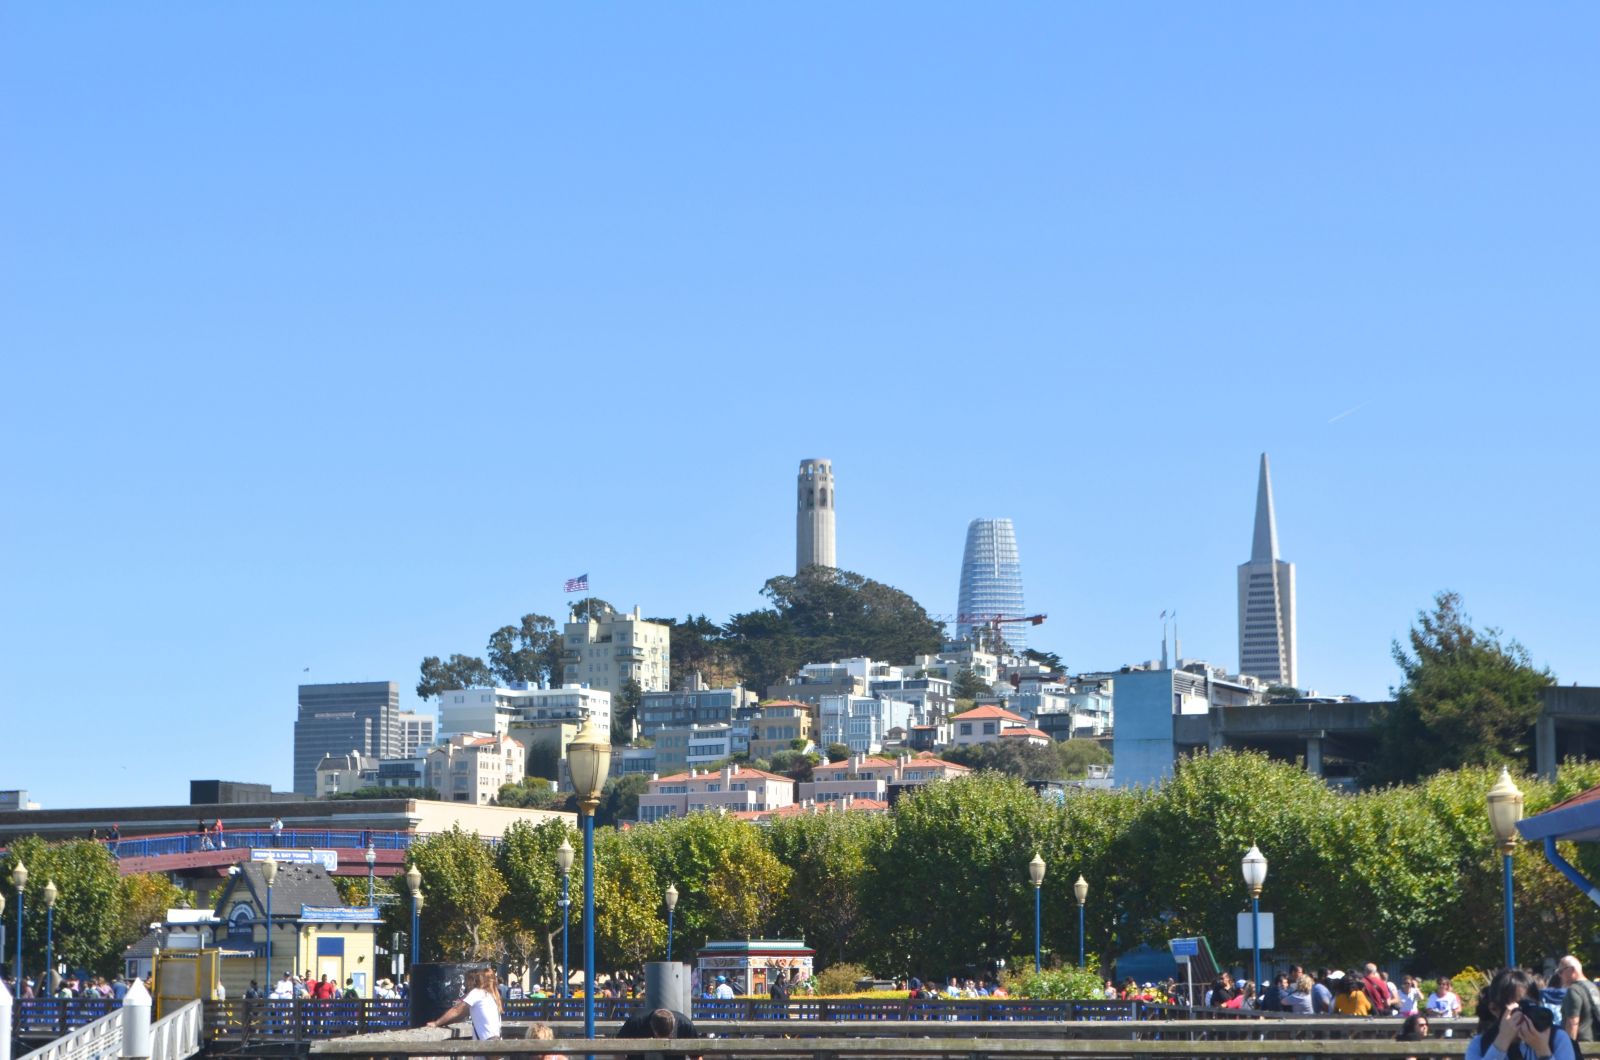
564,864
589,760
1080,891
1505,810
672,904
1036,874
1255,876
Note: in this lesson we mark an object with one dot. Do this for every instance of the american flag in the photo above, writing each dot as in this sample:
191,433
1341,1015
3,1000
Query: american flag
578,584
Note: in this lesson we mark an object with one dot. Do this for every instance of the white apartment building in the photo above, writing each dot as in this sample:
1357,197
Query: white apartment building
471,767
344,773
734,790
608,651
494,710
861,723
985,724
416,733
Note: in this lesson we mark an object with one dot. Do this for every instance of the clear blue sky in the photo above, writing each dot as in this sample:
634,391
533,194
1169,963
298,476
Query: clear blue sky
337,335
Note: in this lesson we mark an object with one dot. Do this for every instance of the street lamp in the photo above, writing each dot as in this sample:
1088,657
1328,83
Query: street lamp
1255,874
1036,874
1080,891
672,903
269,873
1505,810
50,894
19,876
414,885
372,868
589,760
564,863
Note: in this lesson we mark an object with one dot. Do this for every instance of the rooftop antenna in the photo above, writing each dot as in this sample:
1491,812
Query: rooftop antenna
1163,640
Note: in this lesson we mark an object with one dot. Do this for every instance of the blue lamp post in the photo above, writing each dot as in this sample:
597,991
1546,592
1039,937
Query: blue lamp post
1080,891
50,894
564,863
1255,876
672,904
19,876
269,874
1036,874
1505,810
589,760
414,885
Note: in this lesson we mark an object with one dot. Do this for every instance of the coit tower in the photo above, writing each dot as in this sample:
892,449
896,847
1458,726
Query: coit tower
813,530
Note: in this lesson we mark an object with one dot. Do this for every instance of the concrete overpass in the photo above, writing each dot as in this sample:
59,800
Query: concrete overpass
1335,739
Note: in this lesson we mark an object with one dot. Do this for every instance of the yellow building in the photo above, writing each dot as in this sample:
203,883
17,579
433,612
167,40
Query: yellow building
779,724
313,932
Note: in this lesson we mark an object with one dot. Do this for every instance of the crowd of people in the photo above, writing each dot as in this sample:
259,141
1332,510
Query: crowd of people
71,986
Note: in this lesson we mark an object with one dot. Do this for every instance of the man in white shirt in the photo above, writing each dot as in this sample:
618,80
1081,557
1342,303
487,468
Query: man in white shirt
723,992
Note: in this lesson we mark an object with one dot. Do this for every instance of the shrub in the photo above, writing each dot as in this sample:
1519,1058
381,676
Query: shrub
1056,984
840,979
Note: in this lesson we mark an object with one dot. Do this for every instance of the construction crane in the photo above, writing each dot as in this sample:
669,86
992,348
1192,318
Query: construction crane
991,620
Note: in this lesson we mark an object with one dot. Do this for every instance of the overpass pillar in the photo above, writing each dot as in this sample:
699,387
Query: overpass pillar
1314,755
1544,742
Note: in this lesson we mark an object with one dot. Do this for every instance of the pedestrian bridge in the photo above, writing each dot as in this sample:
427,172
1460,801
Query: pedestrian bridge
176,1036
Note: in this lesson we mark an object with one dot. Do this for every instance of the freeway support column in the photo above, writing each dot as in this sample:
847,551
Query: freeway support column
1544,743
1314,755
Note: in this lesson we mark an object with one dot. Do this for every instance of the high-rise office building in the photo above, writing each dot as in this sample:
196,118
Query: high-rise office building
991,582
813,535
359,716
416,733
1266,599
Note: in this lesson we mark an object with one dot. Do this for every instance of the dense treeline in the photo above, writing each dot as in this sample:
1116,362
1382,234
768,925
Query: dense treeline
1402,874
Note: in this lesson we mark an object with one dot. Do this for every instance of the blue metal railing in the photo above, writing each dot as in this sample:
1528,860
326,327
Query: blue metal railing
263,838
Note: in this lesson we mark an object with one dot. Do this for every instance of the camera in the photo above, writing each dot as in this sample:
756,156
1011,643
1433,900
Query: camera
1541,1018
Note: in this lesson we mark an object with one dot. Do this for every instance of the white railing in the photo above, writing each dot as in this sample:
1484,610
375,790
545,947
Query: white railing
100,1040
175,1036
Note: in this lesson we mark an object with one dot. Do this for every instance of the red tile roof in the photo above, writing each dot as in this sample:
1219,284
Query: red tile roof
742,773
986,712
1018,730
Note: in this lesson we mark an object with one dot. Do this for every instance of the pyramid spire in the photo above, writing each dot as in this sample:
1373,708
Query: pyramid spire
1265,545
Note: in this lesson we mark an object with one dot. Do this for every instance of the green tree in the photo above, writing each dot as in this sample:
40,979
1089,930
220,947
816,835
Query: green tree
1467,698
700,645
627,704
373,791
461,890
969,685
795,764
528,651
530,910
1078,755
533,793
960,845
1015,758
729,882
838,752
620,800
630,917
461,671
1048,659
829,854
142,899
87,912
825,613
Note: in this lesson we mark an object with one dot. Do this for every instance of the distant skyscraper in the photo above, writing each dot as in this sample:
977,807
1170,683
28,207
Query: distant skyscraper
361,716
813,536
1266,599
991,581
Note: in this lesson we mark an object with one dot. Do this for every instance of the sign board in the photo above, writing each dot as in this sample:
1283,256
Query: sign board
339,914
1267,940
328,859
1183,949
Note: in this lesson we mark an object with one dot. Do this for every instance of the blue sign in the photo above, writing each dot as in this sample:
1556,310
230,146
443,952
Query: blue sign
339,914
1185,947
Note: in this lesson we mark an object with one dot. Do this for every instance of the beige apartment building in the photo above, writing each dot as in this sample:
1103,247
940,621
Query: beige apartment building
607,651
471,767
